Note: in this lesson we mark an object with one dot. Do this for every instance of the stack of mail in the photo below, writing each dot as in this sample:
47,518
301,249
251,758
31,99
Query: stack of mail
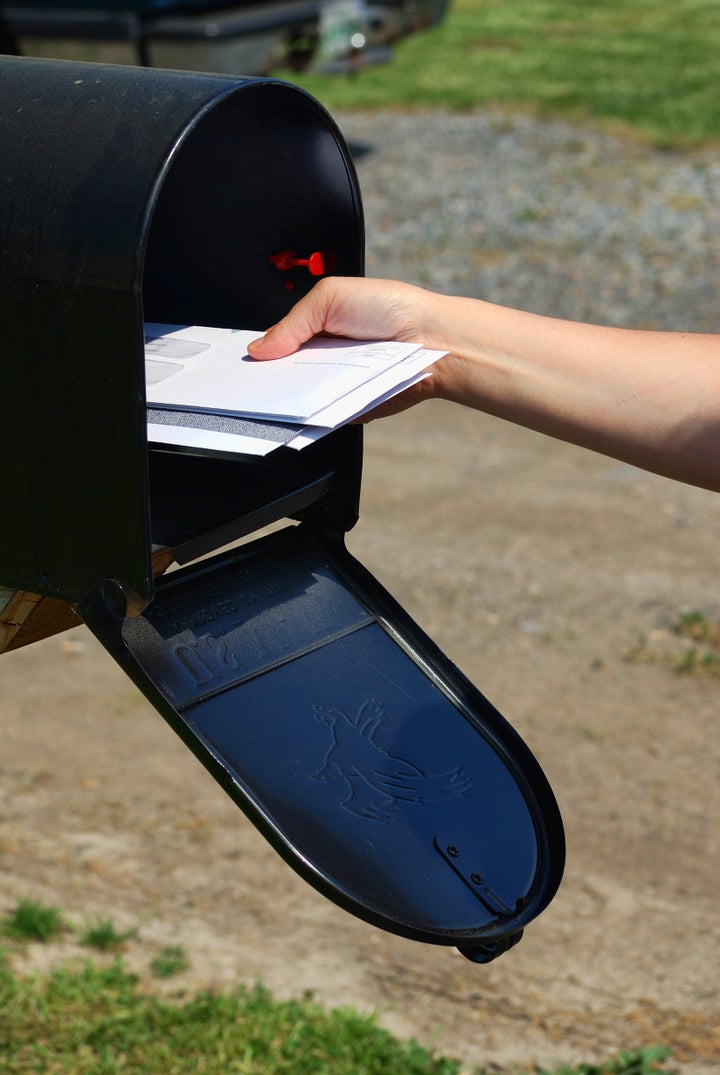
204,392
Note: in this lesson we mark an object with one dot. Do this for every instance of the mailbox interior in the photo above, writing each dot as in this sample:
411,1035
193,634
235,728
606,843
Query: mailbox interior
263,171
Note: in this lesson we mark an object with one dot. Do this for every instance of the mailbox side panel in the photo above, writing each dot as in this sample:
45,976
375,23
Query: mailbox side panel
82,150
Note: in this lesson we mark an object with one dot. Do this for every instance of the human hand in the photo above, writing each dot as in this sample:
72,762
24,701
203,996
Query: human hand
356,308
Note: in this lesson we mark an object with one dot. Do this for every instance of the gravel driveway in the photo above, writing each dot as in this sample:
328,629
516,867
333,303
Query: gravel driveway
549,217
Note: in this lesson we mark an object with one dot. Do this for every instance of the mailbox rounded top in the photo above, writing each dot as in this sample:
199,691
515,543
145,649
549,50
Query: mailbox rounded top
88,148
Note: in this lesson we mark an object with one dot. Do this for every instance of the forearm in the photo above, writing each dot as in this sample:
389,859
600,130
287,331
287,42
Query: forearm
649,398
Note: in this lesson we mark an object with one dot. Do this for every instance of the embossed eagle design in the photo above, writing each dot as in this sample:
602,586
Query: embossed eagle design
377,781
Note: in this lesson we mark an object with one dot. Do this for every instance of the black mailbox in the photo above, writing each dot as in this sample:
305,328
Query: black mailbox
364,756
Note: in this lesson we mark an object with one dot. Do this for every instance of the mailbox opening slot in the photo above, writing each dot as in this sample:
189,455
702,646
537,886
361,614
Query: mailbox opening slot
233,195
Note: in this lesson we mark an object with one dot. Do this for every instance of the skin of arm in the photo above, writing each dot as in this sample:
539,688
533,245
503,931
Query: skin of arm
648,398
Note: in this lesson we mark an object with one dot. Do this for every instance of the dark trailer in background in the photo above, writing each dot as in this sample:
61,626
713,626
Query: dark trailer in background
249,37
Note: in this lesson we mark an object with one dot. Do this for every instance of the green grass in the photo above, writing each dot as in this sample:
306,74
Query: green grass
691,647
702,658
642,1062
170,961
33,921
647,66
699,627
92,1020
105,937
698,663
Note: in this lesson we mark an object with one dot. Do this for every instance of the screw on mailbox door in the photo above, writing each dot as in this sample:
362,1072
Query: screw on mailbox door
474,879
288,259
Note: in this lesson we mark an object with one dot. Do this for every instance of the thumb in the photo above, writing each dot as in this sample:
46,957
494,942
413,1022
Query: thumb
278,341
304,321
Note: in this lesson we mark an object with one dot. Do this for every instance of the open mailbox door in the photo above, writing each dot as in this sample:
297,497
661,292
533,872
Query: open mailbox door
362,754
370,763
